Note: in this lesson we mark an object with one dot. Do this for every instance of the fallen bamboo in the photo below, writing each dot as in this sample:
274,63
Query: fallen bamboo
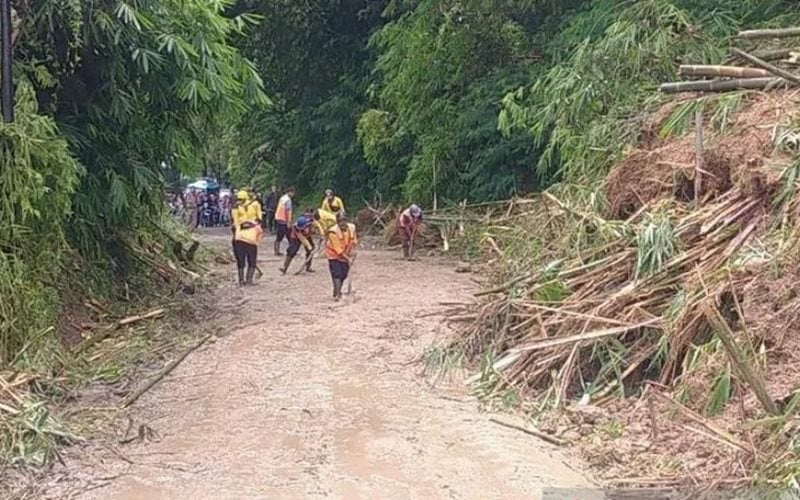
739,360
157,313
782,73
694,417
722,71
132,397
539,434
768,33
594,335
724,85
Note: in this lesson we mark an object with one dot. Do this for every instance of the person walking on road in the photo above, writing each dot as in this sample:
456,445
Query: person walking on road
283,218
300,234
340,245
332,203
246,229
270,205
409,223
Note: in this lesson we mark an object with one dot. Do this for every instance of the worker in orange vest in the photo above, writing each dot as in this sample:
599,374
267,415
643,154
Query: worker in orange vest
340,245
283,218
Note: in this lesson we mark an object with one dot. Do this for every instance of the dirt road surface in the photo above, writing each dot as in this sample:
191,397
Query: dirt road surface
304,398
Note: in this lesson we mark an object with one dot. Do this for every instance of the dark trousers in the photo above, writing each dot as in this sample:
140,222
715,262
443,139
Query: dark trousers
339,270
281,231
269,221
294,247
245,253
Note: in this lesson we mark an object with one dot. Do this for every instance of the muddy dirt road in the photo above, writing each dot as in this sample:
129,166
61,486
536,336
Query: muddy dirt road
304,398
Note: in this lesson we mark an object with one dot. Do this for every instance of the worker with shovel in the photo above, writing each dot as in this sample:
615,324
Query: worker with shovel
247,231
340,245
300,235
409,223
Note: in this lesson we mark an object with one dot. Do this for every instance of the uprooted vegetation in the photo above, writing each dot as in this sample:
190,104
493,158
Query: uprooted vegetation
661,321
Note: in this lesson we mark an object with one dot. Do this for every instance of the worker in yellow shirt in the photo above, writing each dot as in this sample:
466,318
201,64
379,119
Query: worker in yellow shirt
332,203
283,218
247,231
340,245
324,220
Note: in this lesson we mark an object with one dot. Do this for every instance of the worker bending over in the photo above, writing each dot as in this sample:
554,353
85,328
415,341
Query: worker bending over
283,218
409,223
300,234
246,228
340,245
332,203
323,221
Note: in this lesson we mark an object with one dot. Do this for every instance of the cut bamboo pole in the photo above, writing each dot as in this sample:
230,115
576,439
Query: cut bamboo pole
541,435
724,85
738,359
722,71
769,33
767,66
132,397
698,156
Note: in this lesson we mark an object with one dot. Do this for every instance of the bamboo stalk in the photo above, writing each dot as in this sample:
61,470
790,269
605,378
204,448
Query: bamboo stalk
132,397
722,71
532,432
597,334
724,85
738,359
696,418
698,156
768,33
782,73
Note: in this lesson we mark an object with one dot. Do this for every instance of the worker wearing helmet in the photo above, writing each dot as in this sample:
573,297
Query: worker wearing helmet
332,203
247,231
409,222
300,234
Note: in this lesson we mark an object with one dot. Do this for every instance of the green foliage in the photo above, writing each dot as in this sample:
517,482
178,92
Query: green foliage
587,107
37,179
656,244
107,93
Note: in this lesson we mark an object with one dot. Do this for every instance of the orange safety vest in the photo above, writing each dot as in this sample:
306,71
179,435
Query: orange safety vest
339,244
284,213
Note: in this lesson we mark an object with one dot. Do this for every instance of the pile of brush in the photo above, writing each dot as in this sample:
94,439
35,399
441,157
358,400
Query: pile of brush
619,313
768,70
29,434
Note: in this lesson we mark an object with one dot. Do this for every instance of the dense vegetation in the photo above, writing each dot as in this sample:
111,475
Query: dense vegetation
107,94
397,99
475,100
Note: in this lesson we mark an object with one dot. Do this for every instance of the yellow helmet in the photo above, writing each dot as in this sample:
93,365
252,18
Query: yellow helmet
242,195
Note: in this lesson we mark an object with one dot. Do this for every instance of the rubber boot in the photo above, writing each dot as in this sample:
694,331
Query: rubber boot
286,264
308,266
278,248
241,276
250,272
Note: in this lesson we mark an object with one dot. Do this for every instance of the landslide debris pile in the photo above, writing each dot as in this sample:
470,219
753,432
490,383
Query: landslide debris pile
664,301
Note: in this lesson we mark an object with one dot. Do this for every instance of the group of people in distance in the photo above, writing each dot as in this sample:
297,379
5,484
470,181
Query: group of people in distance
329,222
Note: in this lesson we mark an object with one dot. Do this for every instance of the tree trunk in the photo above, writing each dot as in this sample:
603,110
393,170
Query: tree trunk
722,71
724,85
